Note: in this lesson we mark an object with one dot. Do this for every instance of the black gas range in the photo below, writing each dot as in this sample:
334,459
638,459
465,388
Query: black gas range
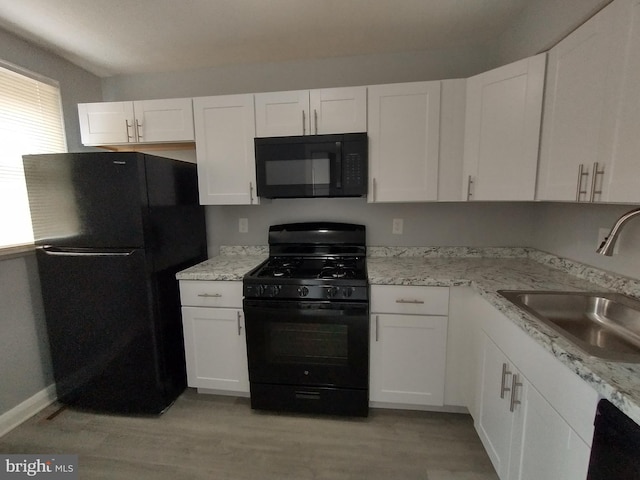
307,320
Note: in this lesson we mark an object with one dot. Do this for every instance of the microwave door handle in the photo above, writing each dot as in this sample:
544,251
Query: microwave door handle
338,164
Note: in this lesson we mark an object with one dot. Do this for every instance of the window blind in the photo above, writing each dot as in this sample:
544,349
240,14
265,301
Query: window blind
31,122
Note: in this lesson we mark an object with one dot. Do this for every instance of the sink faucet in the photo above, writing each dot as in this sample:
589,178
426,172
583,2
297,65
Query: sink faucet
606,247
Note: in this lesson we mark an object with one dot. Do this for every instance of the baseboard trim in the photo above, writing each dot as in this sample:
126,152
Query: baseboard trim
27,409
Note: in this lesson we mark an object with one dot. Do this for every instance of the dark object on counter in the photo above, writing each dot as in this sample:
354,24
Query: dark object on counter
615,452
111,231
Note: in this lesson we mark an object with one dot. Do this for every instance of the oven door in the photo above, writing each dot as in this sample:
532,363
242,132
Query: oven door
308,343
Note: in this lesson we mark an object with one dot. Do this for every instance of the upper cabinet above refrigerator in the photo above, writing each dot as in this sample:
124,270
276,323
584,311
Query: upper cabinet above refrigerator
311,112
143,121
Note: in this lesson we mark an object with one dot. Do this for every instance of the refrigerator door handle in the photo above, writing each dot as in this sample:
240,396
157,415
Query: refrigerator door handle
85,252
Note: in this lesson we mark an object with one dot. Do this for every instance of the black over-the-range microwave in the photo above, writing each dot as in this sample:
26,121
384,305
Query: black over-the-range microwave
312,166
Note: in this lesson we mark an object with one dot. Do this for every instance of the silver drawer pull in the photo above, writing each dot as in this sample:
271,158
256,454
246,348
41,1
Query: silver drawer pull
210,295
405,300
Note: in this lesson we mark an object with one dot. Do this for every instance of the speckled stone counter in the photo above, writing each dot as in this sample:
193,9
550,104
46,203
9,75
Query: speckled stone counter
486,270
231,264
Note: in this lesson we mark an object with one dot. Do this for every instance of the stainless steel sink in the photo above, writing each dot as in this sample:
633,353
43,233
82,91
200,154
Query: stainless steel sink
604,325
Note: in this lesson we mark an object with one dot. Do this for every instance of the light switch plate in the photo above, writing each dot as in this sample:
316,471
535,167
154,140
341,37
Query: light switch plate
243,225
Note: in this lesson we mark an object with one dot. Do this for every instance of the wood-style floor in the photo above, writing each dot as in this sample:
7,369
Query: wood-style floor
219,438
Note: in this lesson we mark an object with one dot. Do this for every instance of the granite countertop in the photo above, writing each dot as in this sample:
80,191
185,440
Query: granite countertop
486,271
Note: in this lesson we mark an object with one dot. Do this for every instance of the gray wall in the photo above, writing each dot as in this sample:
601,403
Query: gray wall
25,366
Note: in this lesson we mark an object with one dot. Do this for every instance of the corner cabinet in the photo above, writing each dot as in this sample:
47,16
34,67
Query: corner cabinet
589,146
138,122
311,112
225,130
408,345
533,415
214,336
502,131
404,139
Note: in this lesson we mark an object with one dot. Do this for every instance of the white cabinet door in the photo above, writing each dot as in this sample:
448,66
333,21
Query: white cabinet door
311,112
404,138
408,354
577,98
622,170
166,120
543,445
147,121
338,110
106,123
502,131
493,420
282,113
224,148
215,349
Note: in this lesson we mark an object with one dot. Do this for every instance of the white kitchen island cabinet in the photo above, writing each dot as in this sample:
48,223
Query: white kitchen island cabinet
408,345
404,140
214,336
589,145
502,131
311,112
225,129
137,122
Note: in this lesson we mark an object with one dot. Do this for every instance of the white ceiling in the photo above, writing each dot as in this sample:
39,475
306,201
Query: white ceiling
118,37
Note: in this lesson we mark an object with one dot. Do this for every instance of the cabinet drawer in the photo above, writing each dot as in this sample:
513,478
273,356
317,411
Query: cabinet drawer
202,293
409,300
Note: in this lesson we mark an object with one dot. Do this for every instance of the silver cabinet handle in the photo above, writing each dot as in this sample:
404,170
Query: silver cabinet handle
210,295
594,181
129,127
304,123
250,193
373,188
409,300
581,174
469,184
138,126
503,382
315,119
377,325
239,325
514,387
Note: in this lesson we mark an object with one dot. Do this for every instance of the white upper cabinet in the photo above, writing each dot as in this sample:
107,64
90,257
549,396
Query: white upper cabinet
225,153
589,148
311,112
622,173
145,121
404,136
502,131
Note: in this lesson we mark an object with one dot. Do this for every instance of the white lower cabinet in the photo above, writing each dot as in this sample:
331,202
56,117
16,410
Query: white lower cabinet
408,345
533,415
214,336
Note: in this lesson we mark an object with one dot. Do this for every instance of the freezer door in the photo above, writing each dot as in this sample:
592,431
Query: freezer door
90,200
102,329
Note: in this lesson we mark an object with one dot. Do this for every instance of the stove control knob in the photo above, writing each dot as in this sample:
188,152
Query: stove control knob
303,291
348,291
332,291
272,290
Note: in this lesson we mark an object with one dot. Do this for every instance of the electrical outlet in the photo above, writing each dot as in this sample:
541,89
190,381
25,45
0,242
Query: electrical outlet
398,225
243,225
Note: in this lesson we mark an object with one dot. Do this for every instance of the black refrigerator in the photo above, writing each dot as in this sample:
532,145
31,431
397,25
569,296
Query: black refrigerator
111,231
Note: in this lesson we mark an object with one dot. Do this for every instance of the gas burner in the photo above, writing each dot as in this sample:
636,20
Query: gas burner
337,272
275,272
340,263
